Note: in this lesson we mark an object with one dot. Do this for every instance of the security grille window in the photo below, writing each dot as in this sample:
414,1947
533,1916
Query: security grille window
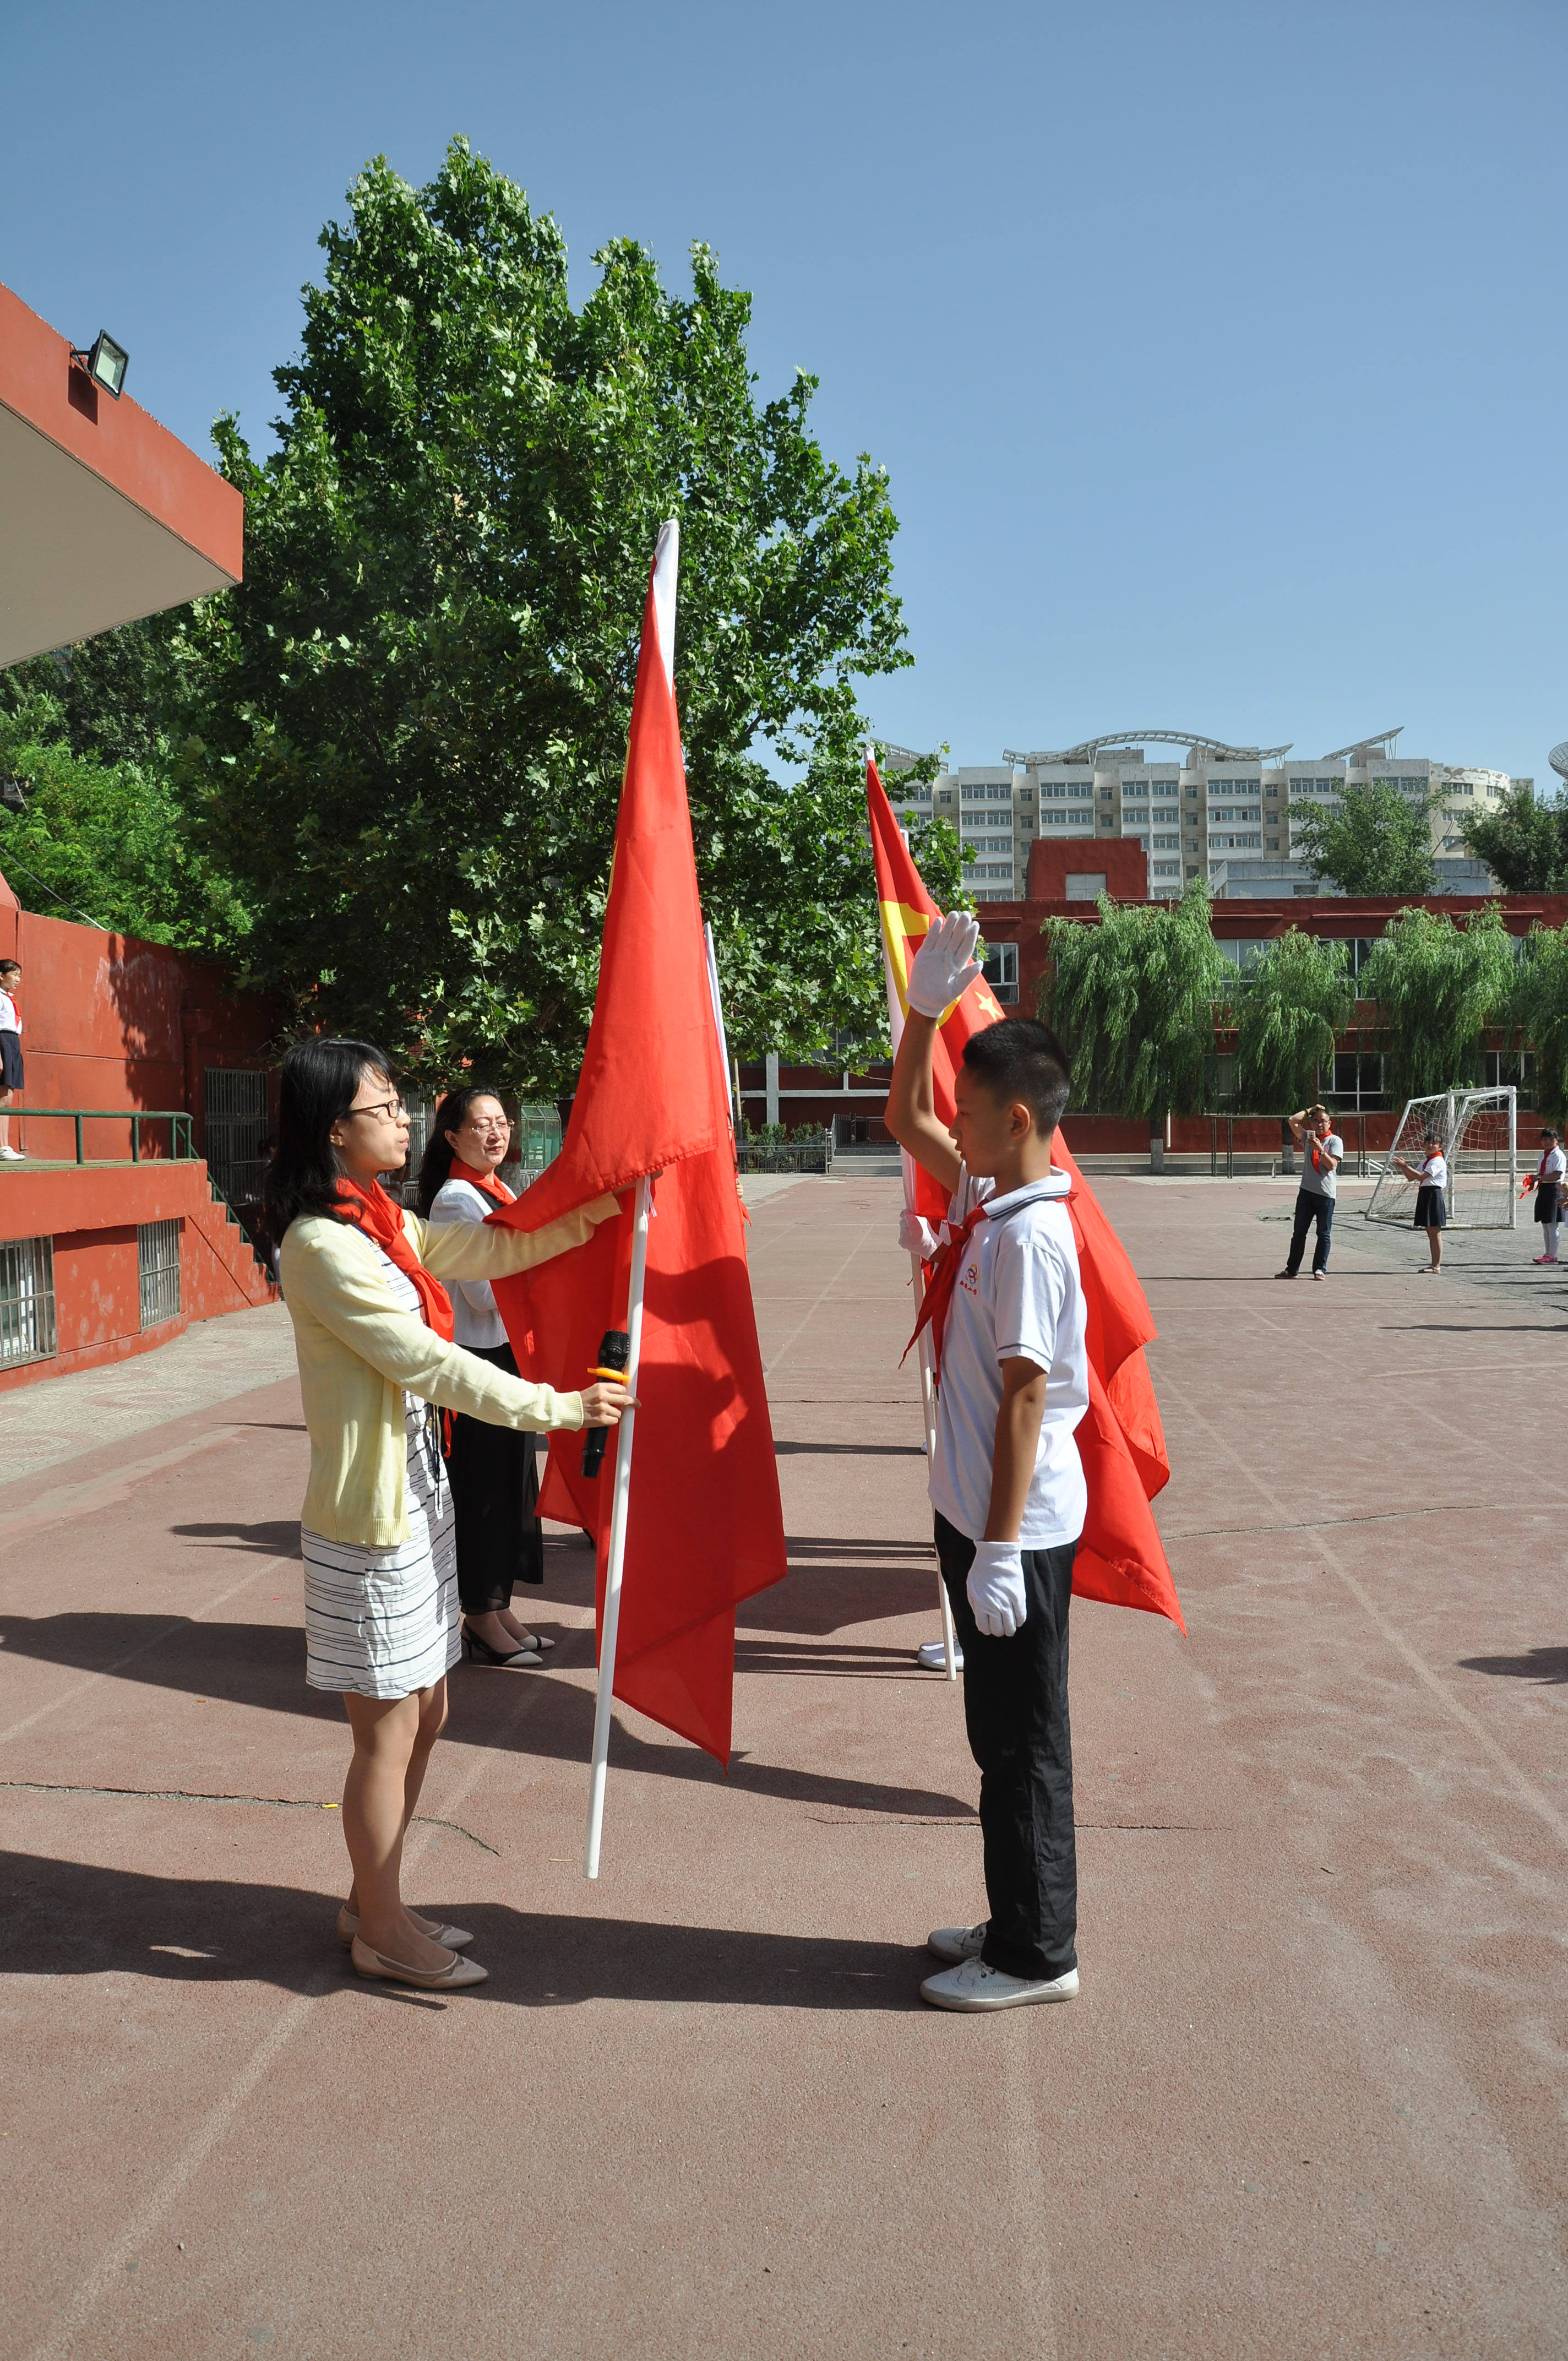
26,1301
1166,843
1251,841
157,1271
1002,972
236,1131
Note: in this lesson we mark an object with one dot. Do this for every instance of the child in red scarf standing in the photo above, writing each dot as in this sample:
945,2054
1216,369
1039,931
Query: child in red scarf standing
1006,1311
494,1472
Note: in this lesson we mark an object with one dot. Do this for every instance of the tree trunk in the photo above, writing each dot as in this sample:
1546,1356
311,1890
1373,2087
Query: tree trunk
1156,1143
1286,1148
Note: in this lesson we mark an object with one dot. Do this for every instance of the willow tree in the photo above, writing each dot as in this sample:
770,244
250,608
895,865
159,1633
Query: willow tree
1439,987
1541,1013
1290,1010
1131,999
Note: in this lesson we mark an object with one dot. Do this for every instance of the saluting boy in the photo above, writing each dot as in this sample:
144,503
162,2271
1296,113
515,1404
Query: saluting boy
1007,1314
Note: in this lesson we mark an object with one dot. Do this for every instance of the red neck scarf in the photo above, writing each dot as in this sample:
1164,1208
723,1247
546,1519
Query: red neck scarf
940,1280
1541,1167
372,1210
942,1276
485,1182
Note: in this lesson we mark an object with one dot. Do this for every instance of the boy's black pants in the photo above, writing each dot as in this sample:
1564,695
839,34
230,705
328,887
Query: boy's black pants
1310,1207
1016,1712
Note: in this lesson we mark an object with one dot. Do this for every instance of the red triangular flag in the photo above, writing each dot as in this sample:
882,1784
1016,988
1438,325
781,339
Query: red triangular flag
1121,1558
705,1528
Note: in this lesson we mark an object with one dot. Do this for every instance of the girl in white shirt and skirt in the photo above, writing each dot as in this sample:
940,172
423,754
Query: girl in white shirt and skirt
1432,1196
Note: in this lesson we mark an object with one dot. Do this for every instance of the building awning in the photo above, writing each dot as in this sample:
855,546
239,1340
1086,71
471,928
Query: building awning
105,516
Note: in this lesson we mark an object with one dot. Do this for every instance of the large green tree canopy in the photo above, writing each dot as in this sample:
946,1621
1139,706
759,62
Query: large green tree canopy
414,717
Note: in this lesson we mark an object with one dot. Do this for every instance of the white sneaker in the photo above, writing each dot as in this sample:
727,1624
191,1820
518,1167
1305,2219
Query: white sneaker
956,1943
15,1154
932,1656
975,1987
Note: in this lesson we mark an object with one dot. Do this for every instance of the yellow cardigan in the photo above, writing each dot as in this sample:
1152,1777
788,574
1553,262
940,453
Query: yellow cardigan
358,1354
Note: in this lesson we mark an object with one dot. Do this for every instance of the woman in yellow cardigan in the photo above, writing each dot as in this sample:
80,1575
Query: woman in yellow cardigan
373,1335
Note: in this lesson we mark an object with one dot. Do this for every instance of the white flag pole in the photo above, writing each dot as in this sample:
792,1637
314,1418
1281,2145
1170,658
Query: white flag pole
718,1020
605,1698
917,1273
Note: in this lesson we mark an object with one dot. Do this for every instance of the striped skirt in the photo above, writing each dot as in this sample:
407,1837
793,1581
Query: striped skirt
383,1623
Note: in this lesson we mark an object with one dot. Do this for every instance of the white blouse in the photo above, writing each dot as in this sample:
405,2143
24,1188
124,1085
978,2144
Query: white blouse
477,1325
10,1020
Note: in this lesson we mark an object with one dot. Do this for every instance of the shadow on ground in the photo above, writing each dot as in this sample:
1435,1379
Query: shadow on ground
65,1918
1546,1665
263,1665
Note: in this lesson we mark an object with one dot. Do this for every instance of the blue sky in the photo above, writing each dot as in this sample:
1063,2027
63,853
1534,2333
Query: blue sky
1216,351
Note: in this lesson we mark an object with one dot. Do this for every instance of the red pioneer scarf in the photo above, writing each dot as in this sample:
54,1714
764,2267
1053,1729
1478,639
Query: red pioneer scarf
941,1277
485,1182
372,1210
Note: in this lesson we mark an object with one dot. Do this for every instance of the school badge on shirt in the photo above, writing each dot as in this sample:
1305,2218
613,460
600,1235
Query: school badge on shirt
970,1280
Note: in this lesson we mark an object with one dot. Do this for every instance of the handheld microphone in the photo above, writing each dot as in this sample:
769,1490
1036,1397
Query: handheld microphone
615,1352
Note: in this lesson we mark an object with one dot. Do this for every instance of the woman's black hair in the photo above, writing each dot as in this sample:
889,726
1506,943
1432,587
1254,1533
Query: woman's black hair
435,1165
321,1080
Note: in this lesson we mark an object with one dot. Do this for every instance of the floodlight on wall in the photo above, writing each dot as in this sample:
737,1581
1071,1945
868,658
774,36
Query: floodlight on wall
105,363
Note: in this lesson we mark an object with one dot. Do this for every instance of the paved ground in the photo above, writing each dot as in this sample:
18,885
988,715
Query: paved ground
1309,2102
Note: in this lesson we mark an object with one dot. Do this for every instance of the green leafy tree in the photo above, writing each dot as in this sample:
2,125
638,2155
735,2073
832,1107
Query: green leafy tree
1132,1000
1524,842
1289,1011
116,698
1378,842
102,842
1438,987
1540,1014
414,711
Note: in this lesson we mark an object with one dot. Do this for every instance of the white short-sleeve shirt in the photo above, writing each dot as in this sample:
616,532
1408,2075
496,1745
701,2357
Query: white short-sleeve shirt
1018,1294
1553,1164
1434,1170
10,1021
477,1325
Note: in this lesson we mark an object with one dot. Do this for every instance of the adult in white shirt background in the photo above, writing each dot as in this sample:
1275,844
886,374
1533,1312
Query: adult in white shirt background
494,1471
10,1051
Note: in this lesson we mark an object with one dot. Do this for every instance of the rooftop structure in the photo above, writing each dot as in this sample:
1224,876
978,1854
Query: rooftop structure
1228,814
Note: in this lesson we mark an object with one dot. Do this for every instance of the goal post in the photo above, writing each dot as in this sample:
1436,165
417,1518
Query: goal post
1478,1134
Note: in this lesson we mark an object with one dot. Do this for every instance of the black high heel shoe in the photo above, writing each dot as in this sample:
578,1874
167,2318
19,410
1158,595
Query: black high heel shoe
479,1651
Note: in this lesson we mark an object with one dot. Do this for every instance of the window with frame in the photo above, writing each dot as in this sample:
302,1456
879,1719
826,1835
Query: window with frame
26,1302
157,1271
1002,972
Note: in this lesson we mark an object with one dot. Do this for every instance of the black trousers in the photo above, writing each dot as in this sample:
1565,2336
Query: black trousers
495,1485
1311,1208
1015,1713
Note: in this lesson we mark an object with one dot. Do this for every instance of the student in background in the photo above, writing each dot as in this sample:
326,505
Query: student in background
10,1050
1430,1178
1546,1184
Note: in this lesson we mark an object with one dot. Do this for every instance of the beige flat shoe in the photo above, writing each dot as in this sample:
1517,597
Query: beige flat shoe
456,1938
458,1972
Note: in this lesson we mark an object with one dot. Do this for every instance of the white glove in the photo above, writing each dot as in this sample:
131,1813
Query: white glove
945,966
995,1589
915,1235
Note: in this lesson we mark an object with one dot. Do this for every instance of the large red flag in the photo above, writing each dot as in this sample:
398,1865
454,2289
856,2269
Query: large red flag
1121,1558
705,1528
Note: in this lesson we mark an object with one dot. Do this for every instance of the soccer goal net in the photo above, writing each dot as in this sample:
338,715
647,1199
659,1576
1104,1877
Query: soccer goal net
1478,1132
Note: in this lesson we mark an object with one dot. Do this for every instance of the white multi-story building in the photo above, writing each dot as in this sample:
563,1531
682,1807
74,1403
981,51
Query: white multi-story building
1228,814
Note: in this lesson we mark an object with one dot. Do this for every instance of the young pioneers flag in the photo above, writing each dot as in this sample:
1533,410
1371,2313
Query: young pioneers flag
705,1526
1121,1442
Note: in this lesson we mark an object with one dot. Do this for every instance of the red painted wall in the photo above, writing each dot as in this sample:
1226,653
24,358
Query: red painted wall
108,1021
91,1216
1119,859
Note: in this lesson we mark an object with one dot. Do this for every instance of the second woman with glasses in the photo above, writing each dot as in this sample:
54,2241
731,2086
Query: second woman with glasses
494,1471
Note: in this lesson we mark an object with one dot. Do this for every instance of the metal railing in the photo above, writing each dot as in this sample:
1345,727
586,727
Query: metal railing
784,1156
181,1144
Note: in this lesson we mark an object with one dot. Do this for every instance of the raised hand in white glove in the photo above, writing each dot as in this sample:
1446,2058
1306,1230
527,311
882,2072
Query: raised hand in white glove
944,965
996,1588
915,1235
